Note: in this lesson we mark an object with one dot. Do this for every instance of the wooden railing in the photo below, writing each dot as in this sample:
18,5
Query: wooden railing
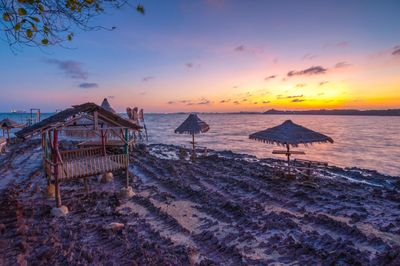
90,166
77,154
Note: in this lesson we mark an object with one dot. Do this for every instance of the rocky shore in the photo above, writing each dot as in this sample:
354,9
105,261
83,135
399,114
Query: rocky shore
223,209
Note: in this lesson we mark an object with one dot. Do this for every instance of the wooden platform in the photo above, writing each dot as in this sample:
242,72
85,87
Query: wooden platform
86,162
90,166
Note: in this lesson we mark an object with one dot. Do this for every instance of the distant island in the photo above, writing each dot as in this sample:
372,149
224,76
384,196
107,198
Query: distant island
388,112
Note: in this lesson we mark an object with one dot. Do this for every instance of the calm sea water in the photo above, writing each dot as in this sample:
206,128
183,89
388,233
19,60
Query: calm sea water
361,141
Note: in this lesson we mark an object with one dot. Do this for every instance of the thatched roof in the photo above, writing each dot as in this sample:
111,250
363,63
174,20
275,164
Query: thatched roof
60,119
106,105
8,123
192,125
290,133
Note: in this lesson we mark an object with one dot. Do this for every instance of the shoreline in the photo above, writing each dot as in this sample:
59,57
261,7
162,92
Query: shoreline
223,209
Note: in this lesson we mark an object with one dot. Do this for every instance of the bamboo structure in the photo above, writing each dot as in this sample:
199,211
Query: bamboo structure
81,163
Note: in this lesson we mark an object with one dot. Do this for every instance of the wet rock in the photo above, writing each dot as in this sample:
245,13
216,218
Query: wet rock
59,212
127,193
106,177
115,226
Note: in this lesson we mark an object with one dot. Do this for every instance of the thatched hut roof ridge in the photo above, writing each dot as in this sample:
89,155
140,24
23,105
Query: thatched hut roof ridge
8,123
106,105
192,125
60,118
291,134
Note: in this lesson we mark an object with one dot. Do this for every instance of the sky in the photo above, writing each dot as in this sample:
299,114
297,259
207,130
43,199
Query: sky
218,56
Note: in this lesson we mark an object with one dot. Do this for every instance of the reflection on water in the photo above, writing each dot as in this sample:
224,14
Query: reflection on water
361,141
365,142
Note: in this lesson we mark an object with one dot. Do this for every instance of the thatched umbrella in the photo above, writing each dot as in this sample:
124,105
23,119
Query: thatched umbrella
106,105
8,124
290,134
193,125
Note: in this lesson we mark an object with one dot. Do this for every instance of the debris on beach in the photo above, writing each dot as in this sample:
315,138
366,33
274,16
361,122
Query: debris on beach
223,209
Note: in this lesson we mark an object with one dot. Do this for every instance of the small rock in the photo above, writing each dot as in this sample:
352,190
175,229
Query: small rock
127,193
59,212
106,177
115,226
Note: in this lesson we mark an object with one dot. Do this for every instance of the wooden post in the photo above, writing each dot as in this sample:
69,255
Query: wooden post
56,165
288,157
193,147
127,153
103,142
85,180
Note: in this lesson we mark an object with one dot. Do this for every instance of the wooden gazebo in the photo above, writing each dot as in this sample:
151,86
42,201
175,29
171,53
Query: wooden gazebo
6,125
85,120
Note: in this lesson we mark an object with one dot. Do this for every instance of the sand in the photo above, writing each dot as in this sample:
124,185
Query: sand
225,209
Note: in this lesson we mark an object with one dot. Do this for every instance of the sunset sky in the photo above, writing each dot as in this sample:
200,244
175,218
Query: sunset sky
218,56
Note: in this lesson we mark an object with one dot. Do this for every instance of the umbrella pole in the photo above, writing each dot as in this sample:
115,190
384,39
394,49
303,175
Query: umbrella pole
193,153
288,157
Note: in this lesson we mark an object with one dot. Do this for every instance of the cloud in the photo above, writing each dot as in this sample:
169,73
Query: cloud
396,50
240,48
204,102
244,100
300,85
265,102
270,77
171,102
147,79
314,70
322,83
342,64
225,101
111,97
342,44
255,103
308,56
191,65
280,97
252,50
88,85
297,100
236,102
72,69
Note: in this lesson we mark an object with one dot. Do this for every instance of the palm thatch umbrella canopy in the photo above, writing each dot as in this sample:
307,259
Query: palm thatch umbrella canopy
8,124
106,105
290,134
193,125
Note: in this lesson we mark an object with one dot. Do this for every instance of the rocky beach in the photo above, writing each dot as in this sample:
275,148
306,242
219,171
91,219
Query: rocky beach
222,209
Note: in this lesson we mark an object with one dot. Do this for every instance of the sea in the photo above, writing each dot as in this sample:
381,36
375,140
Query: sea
367,142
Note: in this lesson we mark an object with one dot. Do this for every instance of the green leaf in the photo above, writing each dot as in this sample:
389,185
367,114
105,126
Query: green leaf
41,8
17,27
45,42
29,33
6,17
140,9
69,36
36,19
21,11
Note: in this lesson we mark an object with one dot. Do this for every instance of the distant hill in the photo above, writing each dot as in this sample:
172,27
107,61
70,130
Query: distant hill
388,112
